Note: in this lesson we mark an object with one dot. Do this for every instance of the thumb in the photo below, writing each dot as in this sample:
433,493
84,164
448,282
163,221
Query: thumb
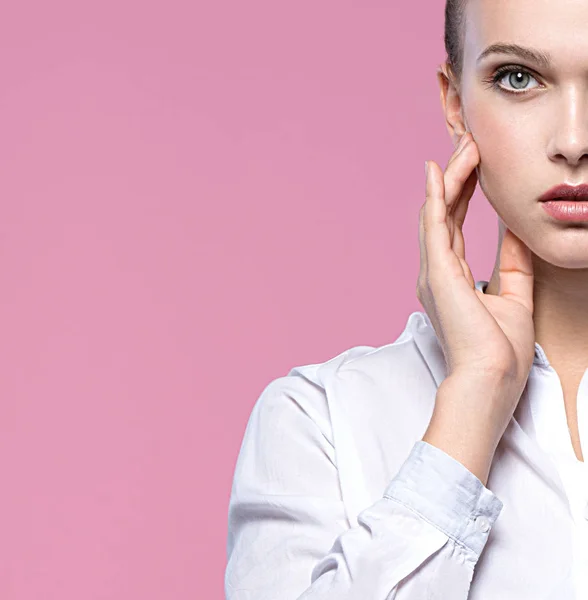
516,271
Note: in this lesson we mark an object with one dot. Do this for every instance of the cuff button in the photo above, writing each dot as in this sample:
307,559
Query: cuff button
482,523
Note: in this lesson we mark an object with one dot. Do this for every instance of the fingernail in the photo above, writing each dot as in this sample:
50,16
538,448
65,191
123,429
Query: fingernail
462,142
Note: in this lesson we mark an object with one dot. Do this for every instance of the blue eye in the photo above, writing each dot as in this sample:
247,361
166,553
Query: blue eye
516,76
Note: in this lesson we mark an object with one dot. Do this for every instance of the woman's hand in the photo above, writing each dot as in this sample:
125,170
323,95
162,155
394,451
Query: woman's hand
483,336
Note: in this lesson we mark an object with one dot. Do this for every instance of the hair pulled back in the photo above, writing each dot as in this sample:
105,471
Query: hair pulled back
454,30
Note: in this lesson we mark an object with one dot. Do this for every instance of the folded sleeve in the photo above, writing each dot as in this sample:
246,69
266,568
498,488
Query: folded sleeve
288,536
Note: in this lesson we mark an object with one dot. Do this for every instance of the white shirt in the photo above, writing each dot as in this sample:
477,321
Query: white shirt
336,497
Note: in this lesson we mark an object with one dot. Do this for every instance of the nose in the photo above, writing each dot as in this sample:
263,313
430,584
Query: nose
569,141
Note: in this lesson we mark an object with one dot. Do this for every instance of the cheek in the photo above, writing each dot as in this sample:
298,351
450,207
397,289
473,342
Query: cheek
500,160
496,167
505,149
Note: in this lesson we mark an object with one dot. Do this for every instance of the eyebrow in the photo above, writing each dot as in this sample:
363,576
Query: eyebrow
541,58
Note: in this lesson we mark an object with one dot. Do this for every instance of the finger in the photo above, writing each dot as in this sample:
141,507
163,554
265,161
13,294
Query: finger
423,249
460,210
467,272
516,271
458,171
459,147
462,203
464,141
442,263
461,180
422,245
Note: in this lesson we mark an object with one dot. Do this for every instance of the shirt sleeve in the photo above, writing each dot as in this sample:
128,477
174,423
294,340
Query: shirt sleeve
288,536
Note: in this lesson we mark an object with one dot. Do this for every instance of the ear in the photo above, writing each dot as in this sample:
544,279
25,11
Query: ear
451,103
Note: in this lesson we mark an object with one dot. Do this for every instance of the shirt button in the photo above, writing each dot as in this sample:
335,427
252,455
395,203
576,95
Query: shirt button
483,524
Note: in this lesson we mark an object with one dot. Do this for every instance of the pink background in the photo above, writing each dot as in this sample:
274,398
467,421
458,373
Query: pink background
196,196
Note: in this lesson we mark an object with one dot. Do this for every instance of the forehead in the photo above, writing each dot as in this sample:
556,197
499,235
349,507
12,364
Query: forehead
558,27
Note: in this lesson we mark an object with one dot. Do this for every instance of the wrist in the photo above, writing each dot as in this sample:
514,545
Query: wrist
466,423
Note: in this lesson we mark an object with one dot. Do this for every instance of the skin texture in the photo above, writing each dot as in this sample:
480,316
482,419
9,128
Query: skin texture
529,141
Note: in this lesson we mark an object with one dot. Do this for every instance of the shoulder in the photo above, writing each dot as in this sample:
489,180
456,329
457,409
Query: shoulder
357,414
363,375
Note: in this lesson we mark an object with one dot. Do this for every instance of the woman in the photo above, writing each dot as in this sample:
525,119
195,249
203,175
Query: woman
448,464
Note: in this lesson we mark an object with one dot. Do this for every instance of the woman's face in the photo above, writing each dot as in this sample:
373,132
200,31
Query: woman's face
532,127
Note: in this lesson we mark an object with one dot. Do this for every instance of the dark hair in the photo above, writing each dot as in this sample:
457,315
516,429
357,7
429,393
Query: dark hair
454,31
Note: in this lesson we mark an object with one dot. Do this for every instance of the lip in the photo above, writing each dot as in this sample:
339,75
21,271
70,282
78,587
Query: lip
566,192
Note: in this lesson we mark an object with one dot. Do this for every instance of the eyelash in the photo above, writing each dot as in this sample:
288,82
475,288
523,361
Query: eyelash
504,70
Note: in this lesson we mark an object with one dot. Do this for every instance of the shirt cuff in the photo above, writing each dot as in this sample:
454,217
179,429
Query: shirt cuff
447,494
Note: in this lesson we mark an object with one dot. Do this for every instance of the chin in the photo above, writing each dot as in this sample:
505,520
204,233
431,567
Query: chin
571,254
